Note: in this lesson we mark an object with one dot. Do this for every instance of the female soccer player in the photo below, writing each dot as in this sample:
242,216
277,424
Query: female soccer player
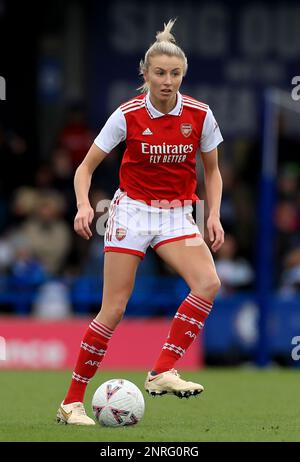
163,130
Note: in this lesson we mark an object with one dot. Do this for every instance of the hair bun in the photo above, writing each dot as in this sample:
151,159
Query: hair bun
165,35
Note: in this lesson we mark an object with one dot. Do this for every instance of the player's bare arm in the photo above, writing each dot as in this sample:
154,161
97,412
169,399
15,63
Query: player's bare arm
82,183
213,187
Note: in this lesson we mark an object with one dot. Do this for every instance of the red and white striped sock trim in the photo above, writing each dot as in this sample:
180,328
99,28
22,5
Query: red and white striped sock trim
92,349
79,378
101,329
184,317
177,349
199,303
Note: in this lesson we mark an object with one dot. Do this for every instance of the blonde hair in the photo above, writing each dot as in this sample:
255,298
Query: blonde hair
165,44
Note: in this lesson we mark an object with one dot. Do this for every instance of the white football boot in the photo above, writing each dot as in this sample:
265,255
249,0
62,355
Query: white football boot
73,414
170,382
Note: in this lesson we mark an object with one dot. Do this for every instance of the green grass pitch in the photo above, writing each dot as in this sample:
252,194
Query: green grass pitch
237,405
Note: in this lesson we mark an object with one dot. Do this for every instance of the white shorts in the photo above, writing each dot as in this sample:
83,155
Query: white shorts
133,225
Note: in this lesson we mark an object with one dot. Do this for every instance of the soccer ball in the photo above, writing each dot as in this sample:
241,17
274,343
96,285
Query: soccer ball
118,402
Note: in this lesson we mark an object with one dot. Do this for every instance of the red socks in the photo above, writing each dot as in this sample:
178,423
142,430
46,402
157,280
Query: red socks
185,327
92,351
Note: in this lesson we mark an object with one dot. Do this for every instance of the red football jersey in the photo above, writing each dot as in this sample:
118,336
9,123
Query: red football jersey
159,163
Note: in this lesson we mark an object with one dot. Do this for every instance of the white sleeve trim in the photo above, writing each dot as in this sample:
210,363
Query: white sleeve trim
113,132
211,136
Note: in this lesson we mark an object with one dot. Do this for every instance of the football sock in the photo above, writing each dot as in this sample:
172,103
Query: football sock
92,350
185,327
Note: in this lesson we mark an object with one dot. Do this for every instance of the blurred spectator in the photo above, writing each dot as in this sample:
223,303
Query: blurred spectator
288,144
4,213
286,218
24,201
287,227
234,272
237,209
76,136
92,257
26,271
6,255
106,176
17,163
288,183
48,232
43,179
290,280
228,208
21,273
52,301
61,165
63,177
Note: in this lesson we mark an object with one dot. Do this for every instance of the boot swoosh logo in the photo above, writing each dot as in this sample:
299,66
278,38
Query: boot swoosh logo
65,414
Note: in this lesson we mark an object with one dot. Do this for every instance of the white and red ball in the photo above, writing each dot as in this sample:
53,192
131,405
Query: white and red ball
118,402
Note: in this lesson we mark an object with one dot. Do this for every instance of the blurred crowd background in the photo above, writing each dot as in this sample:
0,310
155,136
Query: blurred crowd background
67,66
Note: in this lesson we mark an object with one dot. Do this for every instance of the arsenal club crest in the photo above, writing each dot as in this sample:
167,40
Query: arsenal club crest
186,129
120,233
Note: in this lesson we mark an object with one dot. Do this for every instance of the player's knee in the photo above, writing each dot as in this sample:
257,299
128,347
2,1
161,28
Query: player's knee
209,286
119,302
119,306
114,315
216,284
114,306
117,314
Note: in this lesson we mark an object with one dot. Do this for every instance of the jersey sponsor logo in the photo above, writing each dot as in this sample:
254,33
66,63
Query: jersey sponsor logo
147,132
186,129
166,148
167,159
120,233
